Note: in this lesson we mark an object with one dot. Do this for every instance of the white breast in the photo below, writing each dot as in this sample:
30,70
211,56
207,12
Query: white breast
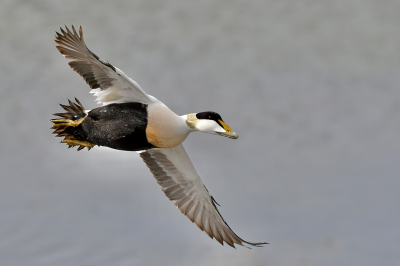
165,129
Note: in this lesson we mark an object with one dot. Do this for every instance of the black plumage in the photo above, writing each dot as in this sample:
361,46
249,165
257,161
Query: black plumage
119,126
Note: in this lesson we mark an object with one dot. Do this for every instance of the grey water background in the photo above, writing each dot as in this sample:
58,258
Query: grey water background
311,87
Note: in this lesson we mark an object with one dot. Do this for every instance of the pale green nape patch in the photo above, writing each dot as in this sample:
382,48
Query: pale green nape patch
191,120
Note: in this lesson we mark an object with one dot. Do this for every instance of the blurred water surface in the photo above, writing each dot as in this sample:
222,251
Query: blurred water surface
311,87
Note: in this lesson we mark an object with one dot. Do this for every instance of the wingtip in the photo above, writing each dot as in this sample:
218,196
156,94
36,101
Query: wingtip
258,245
66,31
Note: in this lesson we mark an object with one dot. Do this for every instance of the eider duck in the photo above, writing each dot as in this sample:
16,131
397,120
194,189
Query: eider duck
132,120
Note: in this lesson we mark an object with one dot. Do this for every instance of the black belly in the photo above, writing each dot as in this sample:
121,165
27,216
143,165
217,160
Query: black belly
118,126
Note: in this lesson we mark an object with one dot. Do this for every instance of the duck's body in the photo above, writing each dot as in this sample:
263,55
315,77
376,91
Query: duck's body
132,120
130,126
118,126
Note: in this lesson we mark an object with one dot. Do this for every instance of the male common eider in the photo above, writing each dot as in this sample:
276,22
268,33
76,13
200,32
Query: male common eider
132,120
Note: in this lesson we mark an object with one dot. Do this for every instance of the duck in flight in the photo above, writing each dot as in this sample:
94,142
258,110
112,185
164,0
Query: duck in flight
132,120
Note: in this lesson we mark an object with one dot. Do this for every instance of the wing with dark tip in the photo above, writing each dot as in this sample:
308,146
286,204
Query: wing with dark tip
108,83
182,184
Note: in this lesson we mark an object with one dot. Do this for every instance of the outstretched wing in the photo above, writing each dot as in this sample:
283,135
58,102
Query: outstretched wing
108,83
182,184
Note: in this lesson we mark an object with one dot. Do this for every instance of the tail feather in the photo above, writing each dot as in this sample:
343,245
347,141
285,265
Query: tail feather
74,111
67,127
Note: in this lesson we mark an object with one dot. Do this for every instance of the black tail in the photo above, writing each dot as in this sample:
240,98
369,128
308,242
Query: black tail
74,111
69,126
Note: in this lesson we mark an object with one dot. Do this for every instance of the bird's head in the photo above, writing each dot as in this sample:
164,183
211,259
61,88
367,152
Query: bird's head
210,122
